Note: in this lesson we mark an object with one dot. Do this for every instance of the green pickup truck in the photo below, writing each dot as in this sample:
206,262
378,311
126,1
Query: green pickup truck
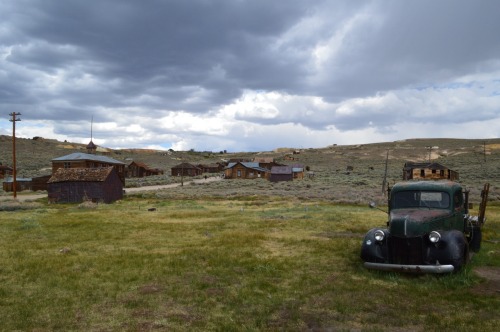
429,229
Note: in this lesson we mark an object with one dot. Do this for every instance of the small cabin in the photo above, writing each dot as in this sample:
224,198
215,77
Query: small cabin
281,173
428,171
186,169
138,170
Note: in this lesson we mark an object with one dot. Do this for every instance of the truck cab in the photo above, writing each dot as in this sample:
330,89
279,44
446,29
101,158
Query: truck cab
429,230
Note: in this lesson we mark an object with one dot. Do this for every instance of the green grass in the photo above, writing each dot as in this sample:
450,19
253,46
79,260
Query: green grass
248,263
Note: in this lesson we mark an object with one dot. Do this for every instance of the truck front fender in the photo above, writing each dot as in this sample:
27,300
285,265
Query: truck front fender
451,249
373,250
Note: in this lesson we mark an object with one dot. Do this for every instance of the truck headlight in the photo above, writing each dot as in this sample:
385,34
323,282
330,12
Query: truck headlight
434,237
379,235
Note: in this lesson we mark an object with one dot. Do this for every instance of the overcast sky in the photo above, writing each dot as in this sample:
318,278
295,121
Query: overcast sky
249,75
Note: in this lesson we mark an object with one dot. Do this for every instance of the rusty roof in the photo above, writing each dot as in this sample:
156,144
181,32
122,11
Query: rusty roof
99,174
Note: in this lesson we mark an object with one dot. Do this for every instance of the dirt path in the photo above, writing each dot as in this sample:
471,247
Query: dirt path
28,197
172,185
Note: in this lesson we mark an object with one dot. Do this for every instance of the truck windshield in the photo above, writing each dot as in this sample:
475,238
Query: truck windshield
414,198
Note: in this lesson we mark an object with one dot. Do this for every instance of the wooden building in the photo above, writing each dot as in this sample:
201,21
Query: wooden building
281,173
186,169
298,171
267,162
245,170
138,170
5,171
39,183
75,185
21,184
428,171
211,168
86,160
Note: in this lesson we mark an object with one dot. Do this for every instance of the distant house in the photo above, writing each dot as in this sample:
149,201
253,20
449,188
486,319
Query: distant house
211,168
21,184
34,184
281,173
428,171
74,185
298,171
138,170
39,183
5,171
86,160
245,170
267,162
186,169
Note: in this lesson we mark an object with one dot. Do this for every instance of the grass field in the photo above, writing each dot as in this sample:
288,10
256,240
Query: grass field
228,263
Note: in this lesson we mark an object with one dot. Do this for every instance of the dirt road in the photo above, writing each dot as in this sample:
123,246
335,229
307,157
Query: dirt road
32,196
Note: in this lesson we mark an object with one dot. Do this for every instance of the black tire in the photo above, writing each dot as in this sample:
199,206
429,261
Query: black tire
459,263
475,239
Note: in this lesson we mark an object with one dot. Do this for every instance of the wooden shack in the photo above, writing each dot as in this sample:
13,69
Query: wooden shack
5,171
39,183
298,171
245,170
211,168
186,169
75,185
428,171
21,184
138,170
281,173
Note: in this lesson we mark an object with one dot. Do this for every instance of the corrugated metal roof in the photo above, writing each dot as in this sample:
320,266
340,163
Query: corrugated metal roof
81,174
87,156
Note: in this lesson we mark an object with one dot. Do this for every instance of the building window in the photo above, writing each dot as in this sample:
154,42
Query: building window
239,173
422,173
67,165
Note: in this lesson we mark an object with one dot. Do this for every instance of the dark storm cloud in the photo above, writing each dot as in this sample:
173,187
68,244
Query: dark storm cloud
191,70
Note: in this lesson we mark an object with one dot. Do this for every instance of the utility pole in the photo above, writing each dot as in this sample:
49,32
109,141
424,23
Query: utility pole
384,182
14,181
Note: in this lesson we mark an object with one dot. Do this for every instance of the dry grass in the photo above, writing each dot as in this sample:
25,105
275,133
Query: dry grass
239,263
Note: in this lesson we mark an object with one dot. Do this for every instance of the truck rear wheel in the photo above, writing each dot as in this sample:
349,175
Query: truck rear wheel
475,239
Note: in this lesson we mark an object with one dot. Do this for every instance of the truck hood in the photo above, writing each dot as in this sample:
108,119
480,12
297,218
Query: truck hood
415,222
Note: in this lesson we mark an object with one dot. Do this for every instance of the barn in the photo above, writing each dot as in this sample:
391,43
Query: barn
74,185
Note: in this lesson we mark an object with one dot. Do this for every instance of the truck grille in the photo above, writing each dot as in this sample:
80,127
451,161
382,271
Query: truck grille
406,251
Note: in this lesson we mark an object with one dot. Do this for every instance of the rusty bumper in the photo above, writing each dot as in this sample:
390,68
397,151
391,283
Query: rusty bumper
410,268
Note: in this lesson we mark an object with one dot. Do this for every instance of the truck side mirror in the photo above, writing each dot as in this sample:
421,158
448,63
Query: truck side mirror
372,205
